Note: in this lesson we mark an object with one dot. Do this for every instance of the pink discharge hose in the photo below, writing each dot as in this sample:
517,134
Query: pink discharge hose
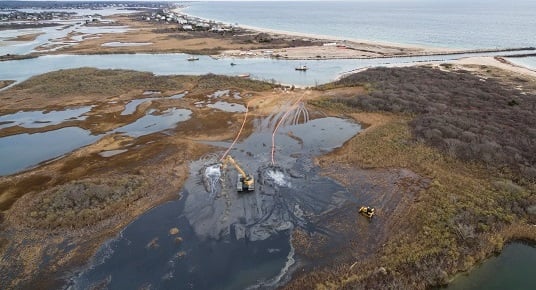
279,124
237,135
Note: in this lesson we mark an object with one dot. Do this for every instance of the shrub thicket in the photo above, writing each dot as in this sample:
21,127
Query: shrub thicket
92,81
464,115
84,202
217,82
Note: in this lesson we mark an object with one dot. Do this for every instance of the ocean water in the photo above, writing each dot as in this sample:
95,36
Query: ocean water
529,62
465,24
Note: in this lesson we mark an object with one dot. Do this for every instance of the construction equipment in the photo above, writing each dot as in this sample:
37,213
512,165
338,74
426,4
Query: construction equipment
367,211
245,181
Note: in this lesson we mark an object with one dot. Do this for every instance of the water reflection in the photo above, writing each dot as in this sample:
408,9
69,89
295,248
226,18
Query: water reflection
227,107
271,70
39,119
24,150
155,121
514,268
21,151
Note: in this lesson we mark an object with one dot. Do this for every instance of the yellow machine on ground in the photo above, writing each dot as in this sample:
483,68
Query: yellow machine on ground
367,211
245,182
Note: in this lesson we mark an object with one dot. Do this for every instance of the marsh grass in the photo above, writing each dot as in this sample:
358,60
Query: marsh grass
217,82
71,83
467,212
472,207
91,81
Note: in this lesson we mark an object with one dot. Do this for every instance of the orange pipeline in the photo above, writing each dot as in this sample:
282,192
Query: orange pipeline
237,135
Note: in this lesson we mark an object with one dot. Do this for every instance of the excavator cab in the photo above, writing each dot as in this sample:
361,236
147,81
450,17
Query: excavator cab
367,211
245,183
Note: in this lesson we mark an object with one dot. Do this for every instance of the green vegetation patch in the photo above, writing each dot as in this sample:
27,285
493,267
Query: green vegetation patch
466,116
85,202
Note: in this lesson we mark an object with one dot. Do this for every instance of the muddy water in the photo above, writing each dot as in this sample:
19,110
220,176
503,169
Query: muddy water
514,268
231,240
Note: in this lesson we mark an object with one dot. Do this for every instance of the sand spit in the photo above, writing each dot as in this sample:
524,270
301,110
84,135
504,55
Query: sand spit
498,62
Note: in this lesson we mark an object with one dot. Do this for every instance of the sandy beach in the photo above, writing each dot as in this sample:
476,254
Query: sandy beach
244,41
496,62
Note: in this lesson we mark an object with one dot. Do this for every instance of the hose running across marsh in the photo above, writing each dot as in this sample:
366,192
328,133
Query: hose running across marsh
279,124
237,135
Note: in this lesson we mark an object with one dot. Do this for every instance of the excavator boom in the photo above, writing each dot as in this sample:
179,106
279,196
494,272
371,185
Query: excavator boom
245,182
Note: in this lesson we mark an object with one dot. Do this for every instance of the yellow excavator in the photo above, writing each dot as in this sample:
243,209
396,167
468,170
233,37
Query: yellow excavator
367,211
245,182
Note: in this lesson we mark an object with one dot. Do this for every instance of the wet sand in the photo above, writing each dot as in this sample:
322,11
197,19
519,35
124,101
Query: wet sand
25,37
5,83
159,37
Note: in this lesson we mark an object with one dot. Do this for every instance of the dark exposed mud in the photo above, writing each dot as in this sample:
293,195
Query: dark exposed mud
249,229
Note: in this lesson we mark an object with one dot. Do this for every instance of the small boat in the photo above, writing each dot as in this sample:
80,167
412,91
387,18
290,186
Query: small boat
243,76
192,58
233,64
301,68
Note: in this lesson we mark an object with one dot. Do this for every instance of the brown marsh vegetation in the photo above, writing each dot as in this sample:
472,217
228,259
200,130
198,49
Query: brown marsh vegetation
466,116
474,203
471,206
55,216
89,85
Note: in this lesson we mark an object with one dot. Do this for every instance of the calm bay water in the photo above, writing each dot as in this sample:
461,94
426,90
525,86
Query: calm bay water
514,268
529,62
442,23
268,69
